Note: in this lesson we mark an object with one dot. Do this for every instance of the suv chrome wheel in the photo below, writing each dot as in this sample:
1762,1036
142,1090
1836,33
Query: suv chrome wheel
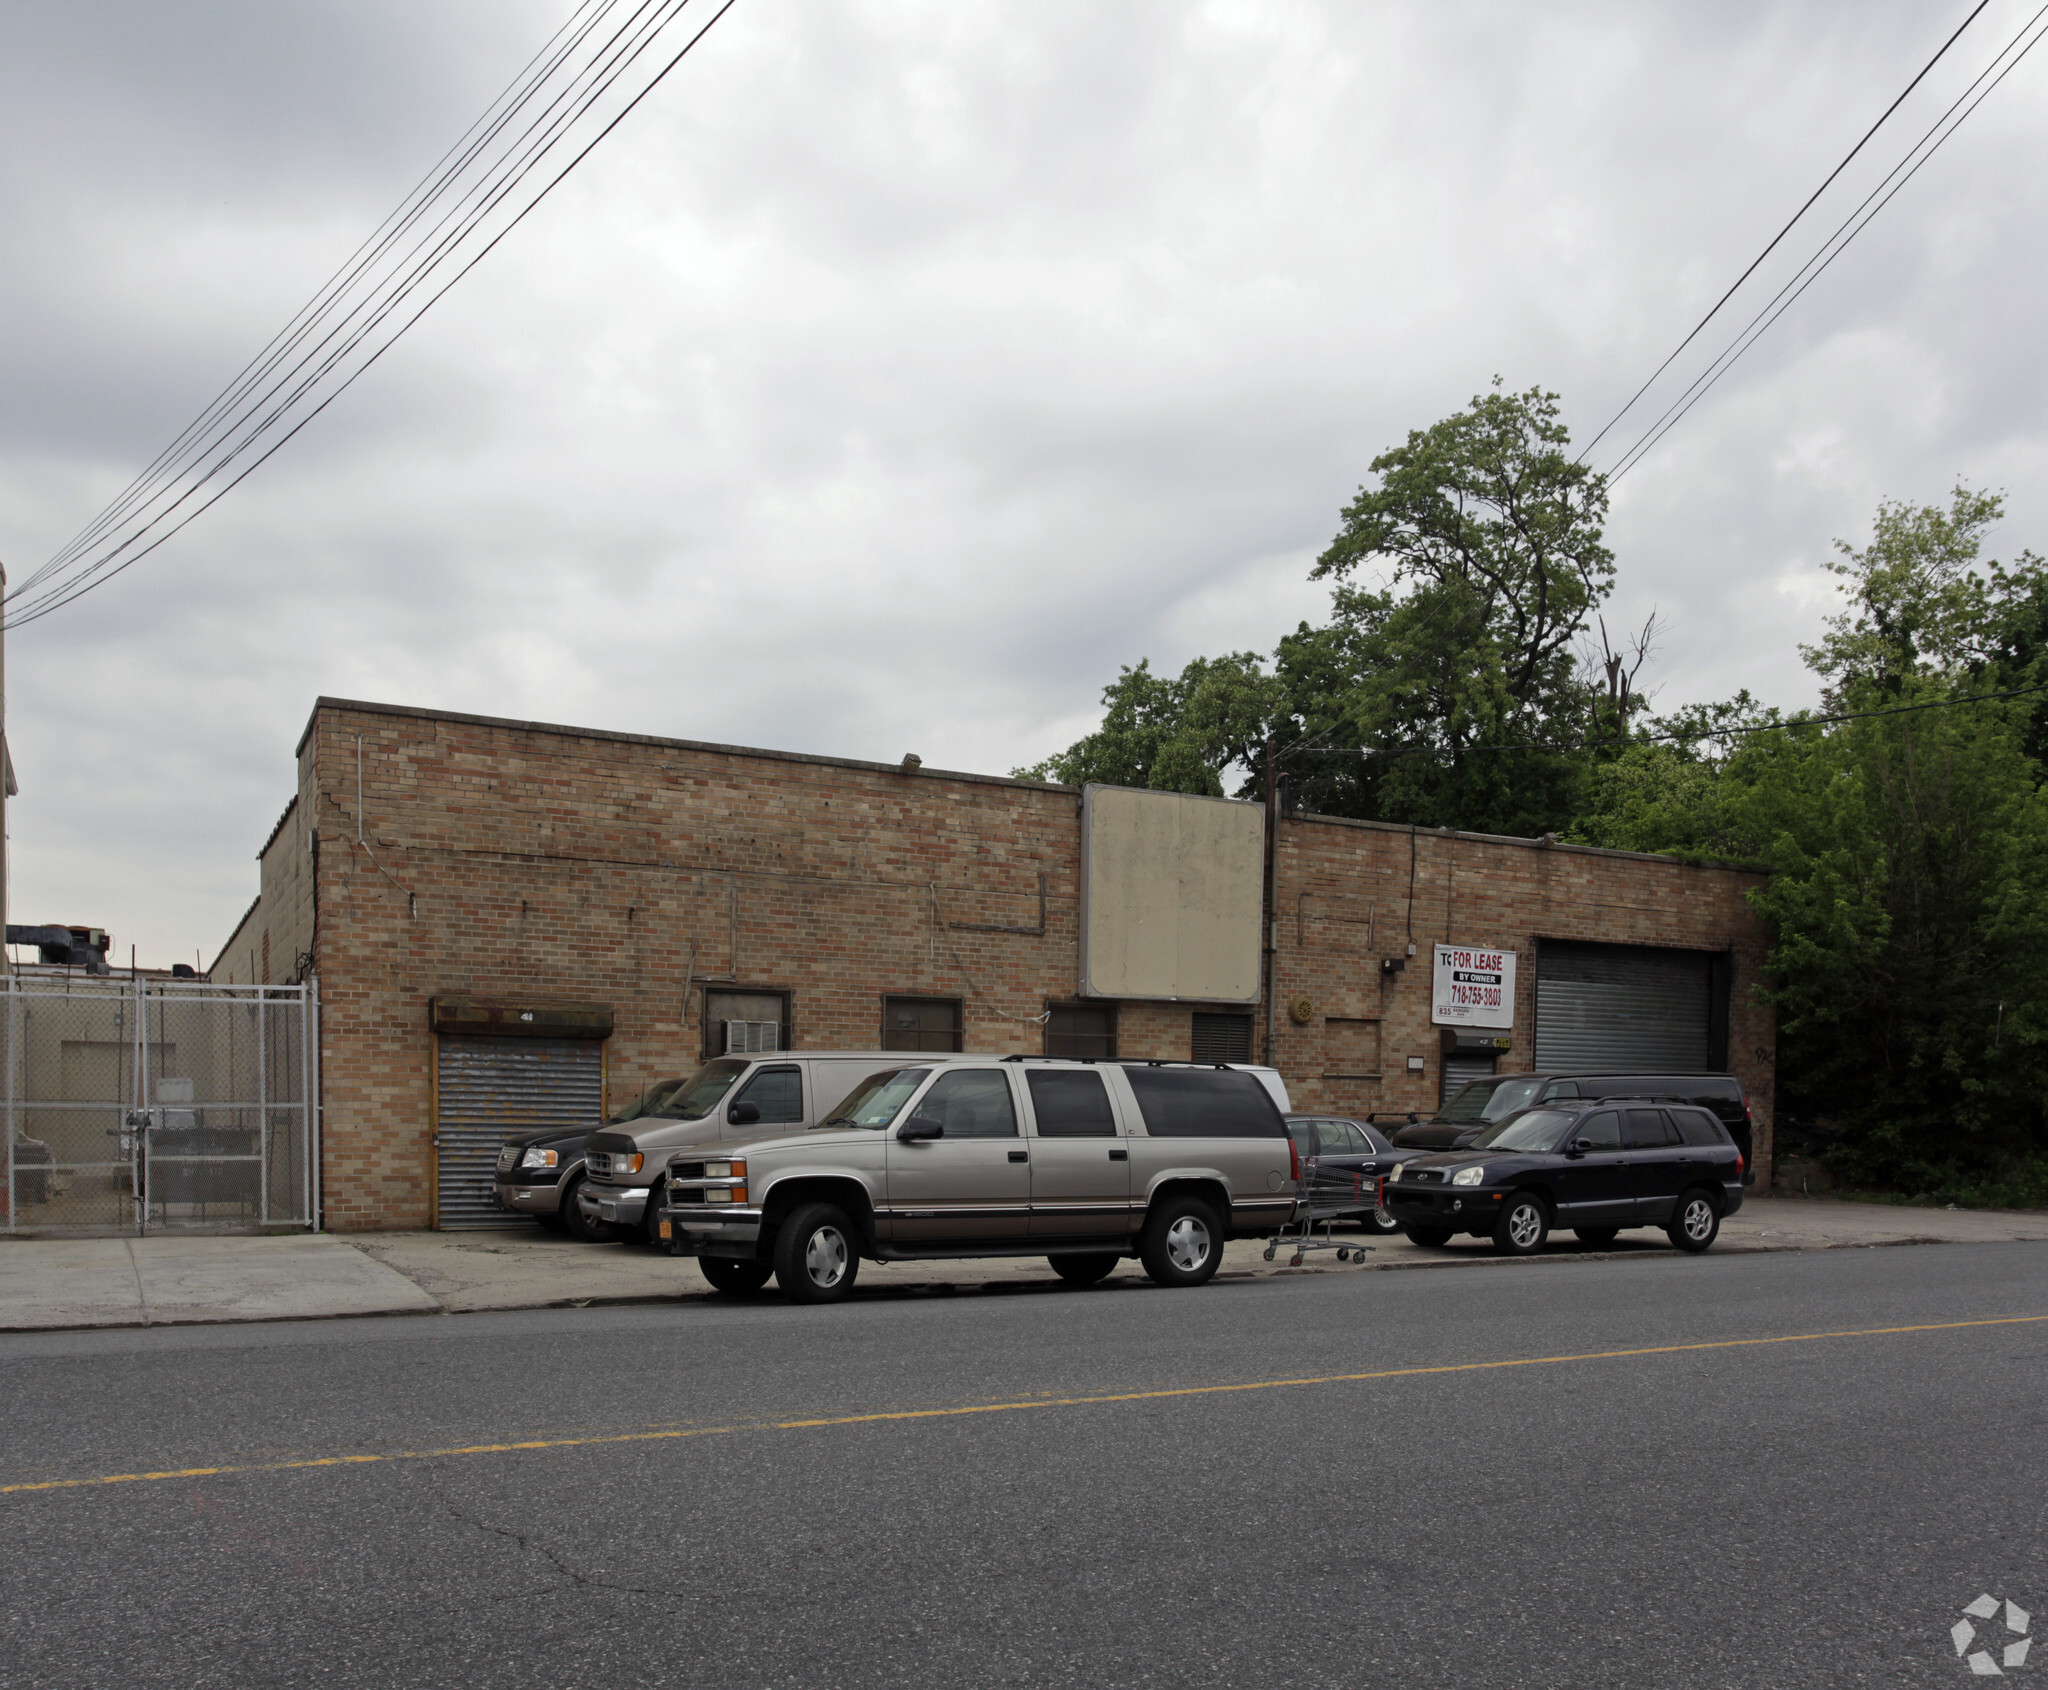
816,1255
1182,1243
825,1257
1522,1227
1188,1243
1695,1223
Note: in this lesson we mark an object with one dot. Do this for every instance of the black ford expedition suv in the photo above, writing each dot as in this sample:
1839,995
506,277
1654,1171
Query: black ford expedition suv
1594,1167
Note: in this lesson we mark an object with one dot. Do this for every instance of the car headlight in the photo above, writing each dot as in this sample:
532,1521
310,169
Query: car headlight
1395,1176
628,1164
1474,1175
725,1170
538,1159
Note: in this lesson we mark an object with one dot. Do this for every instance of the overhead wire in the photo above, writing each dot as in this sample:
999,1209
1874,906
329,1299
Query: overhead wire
252,428
1772,246
1839,240
424,192
227,435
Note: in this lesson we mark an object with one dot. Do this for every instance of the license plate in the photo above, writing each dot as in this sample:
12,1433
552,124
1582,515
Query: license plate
665,1230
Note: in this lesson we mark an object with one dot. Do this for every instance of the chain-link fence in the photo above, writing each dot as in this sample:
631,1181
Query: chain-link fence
157,1105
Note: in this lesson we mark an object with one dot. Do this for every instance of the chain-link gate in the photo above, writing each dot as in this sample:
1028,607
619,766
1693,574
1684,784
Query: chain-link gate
153,1105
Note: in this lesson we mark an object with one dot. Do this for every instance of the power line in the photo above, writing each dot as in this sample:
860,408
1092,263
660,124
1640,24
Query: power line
239,420
293,333
1854,224
1782,233
623,49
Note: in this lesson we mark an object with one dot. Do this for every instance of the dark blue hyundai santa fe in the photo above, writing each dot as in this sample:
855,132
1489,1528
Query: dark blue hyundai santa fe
1592,1167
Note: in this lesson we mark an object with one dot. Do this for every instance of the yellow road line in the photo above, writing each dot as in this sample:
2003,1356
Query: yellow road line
1011,1407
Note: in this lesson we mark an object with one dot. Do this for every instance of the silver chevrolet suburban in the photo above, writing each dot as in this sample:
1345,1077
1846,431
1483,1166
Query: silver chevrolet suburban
933,1157
730,1097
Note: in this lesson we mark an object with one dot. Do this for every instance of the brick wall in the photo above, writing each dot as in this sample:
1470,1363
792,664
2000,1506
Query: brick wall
528,862
1345,902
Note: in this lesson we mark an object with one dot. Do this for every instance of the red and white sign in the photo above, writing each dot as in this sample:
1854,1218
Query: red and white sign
1473,987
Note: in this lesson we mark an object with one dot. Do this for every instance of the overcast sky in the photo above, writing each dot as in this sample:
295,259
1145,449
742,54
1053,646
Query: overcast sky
901,367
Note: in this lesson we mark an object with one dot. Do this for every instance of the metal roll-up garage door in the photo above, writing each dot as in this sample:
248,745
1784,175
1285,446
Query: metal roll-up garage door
1461,1071
1622,1008
493,1087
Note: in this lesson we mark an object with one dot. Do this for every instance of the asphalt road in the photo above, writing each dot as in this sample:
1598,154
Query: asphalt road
743,1495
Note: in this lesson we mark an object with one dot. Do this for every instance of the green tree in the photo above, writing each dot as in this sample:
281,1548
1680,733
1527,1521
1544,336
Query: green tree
1671,793
1173,734
1909,856
1420,699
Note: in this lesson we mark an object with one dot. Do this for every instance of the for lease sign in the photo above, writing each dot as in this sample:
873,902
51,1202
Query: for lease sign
1473,987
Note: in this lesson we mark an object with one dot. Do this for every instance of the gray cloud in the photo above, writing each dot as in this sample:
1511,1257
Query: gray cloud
902,368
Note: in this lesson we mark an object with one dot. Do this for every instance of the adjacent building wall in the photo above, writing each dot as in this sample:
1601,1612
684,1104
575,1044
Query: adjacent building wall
529,862
1353,893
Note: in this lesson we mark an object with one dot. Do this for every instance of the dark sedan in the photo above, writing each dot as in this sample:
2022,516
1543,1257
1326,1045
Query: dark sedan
1593,1167
1350,1153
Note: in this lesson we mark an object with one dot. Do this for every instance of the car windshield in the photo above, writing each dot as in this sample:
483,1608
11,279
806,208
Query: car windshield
877,1099
696,1097
1539,1129
648,1102
1491,1100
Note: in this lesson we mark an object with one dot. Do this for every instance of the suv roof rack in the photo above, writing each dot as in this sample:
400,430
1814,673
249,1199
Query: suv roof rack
1127,1061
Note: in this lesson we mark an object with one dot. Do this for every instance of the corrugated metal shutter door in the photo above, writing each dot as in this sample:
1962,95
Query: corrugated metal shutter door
1462,1070
1621,1008
490,1087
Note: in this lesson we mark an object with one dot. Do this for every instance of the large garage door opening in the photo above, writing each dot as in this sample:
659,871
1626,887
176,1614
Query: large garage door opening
1629,1008
490,1088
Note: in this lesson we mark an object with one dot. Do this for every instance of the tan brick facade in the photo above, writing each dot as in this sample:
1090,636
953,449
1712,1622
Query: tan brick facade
516,861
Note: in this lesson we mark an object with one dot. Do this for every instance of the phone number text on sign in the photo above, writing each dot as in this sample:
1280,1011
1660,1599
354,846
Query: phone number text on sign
1473,988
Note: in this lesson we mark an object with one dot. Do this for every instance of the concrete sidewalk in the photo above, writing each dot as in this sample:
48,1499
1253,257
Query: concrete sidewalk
60,1282
55,1283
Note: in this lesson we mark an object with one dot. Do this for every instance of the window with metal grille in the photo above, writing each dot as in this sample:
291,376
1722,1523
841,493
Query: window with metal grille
1081,1029
745,1022
1222,1038
921,1024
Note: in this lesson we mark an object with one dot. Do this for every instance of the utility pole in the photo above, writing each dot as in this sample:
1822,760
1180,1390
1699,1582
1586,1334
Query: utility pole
1272,899
6,779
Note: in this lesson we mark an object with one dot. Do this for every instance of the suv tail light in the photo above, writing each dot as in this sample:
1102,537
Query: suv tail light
1293,1160
1741,1164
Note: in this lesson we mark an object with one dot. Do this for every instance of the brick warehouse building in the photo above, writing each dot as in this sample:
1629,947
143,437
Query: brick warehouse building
473,890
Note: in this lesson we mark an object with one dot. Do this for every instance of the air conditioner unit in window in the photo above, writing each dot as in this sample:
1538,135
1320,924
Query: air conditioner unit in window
743,1037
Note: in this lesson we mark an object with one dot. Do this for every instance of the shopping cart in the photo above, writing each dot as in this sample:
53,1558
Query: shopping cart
1326,1194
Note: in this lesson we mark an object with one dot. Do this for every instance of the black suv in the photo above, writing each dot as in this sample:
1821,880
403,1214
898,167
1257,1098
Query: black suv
1595,1167
1477,1104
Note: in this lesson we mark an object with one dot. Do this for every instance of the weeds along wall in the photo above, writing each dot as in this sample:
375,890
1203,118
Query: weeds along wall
518,862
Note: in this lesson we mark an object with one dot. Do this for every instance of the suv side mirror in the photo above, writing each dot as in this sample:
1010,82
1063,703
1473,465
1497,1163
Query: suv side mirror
743,1114
1577,1148
921,1126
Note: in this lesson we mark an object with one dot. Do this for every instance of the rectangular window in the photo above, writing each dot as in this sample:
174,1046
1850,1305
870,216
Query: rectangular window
744,1022
1070,1103
971,1103
1223,1038
921,1024
1193,1103
778,1093
1647,1130
1081,1029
